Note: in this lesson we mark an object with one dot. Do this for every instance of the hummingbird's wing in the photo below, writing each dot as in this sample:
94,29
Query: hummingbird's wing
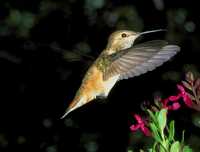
139,59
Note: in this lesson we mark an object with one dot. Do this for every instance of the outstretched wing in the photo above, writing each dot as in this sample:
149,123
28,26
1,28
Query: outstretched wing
139,59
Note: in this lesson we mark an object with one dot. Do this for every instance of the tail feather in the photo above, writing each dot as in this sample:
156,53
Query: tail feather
74,105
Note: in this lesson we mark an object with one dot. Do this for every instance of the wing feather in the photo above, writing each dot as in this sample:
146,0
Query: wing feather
139,59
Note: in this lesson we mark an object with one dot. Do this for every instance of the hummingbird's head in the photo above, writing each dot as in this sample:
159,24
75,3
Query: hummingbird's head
124,39
120,40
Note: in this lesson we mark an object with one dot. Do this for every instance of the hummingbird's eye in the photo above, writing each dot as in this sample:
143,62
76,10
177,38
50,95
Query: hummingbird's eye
124,35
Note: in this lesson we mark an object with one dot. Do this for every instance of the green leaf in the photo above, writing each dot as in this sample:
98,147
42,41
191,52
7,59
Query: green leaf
156,114
162,149
162,119
152,116
171,131
175,147
154,146
154,130
187,149
191,96
187,85
167,143
150,150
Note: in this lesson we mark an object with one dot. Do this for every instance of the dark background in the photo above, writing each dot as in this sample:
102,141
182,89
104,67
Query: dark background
38,42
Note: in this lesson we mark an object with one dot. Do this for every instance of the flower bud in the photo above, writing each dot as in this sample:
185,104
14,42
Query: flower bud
190,77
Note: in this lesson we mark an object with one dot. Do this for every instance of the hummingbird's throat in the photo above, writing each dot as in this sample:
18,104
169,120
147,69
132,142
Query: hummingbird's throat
110,51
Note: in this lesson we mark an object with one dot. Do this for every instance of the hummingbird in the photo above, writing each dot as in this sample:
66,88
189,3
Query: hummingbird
121,59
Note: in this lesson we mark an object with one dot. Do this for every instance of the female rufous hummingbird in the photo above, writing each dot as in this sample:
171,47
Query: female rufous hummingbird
121,59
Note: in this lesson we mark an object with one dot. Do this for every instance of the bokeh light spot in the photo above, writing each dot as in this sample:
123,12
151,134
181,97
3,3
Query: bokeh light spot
51,149
190,26
47,123
21,140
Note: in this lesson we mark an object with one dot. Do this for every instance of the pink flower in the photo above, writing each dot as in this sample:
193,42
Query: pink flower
174,99
174,106
185,96
140,125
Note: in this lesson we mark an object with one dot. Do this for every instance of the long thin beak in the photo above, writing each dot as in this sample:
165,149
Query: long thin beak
66,113
70,109
152,31
74,105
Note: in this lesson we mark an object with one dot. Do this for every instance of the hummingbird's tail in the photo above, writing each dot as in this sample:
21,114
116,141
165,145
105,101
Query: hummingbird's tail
76,103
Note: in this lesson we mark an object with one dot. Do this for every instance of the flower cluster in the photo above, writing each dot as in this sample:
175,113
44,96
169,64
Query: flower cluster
157,125
188,92
175,100
170,103
192,85
141,124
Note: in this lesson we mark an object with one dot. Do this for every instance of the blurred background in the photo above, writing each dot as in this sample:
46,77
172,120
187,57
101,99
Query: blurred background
46,47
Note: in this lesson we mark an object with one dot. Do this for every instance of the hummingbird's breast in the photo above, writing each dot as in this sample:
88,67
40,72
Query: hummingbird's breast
93,84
